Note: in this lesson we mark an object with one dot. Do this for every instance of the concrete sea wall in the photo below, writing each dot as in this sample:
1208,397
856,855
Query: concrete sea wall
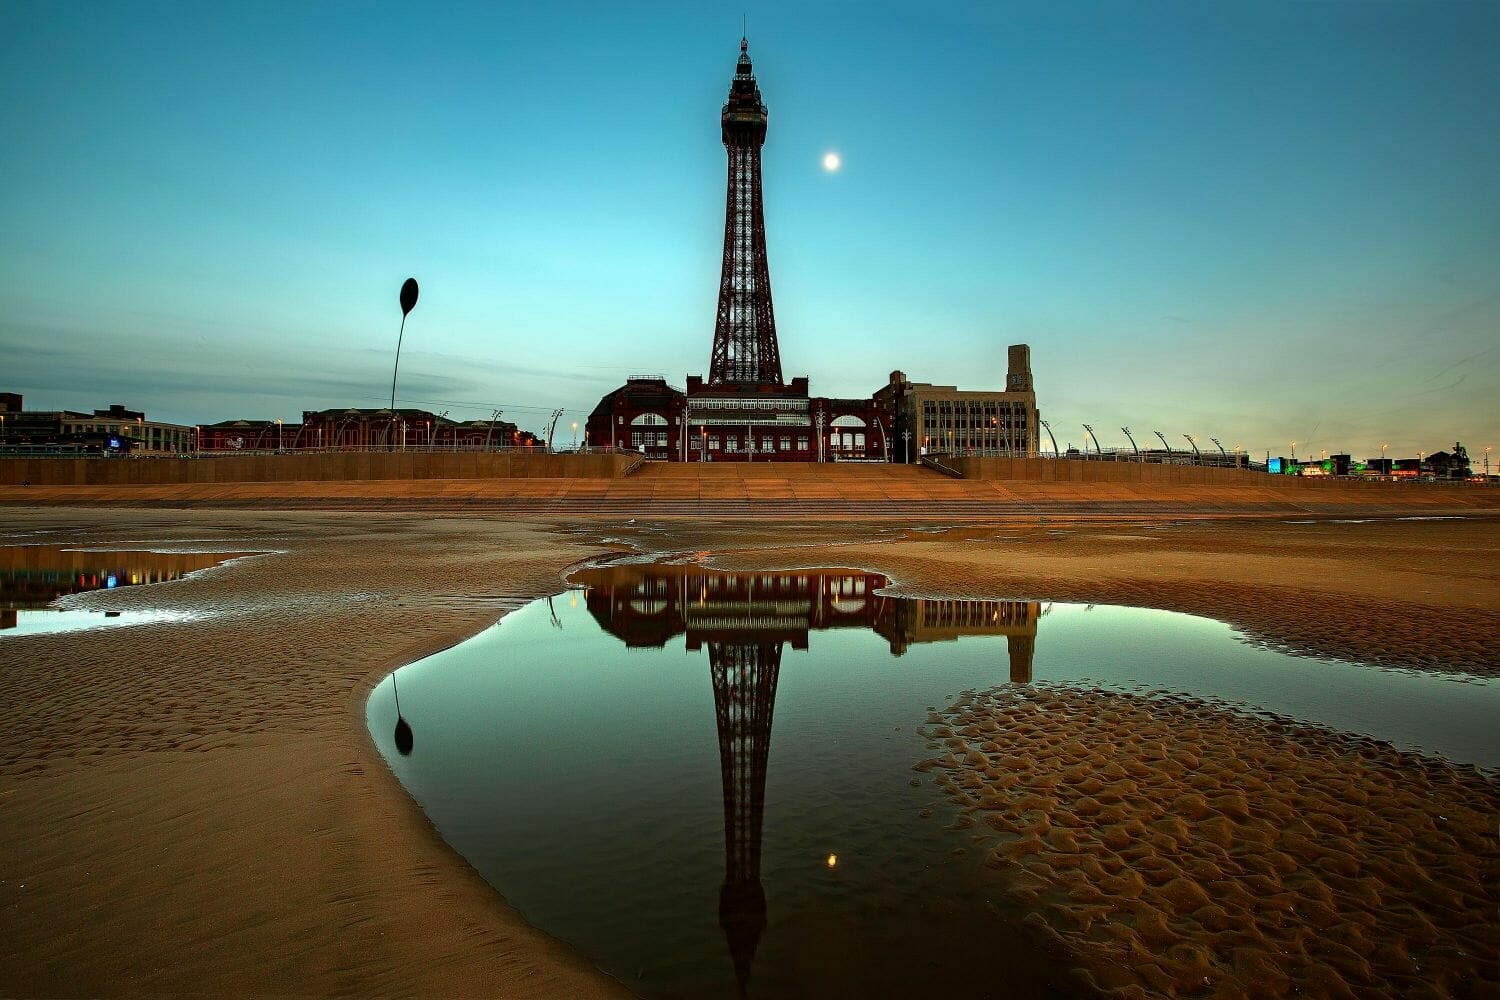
320,467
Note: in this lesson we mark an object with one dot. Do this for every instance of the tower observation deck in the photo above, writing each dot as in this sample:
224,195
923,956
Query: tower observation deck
745,350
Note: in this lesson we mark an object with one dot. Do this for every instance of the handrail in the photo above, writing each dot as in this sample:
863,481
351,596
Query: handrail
931,462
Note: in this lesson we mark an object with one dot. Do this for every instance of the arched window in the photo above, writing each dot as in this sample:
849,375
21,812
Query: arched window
649,420
847,421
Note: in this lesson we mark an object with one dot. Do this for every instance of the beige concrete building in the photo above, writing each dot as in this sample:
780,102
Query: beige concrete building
148,437
946,419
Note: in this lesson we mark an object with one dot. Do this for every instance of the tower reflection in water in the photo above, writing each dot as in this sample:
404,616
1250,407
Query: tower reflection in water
746,620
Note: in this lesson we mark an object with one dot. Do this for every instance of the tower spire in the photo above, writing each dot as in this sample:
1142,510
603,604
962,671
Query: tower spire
745,349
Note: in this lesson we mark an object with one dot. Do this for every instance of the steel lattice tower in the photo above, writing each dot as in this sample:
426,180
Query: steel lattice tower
744,679
745,348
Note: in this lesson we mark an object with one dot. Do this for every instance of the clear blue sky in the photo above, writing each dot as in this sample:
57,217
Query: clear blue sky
1261,221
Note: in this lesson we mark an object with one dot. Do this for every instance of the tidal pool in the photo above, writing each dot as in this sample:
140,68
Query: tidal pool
33,577
712,783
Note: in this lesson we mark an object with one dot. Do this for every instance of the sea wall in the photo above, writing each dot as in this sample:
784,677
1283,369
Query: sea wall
1071,470
319,467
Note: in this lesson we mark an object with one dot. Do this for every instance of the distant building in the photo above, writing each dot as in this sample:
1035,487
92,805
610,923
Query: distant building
115,430
944,418
149,437
248,435
404,430
645,414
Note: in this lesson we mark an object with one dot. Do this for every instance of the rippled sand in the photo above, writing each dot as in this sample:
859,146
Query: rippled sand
1176,847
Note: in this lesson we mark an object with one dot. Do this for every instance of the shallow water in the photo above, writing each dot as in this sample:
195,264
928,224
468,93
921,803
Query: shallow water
33,577
706,781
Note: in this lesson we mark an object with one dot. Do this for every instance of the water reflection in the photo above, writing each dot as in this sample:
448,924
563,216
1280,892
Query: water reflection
567,754
745,619
647,606
32,577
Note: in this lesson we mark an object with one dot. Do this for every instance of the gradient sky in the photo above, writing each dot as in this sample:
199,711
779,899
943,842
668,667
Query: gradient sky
1260,221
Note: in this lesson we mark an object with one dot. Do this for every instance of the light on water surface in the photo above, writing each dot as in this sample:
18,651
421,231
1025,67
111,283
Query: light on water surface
656,768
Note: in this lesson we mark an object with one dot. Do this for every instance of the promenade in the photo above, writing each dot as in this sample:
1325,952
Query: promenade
803,491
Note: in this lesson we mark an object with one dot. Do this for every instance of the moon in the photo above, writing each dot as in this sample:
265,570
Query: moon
831,162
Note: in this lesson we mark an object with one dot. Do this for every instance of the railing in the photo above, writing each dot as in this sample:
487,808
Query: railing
931,462
1114,455
210,453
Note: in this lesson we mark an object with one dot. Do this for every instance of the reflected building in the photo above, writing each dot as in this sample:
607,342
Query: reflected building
928,620
33,576
745,620
648,606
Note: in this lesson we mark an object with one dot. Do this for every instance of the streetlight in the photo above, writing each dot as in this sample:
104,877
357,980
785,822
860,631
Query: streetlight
278,434
1385,470
1132,443
1294,451
1164,442
1487,461
1048,427
1088,432
906,436
494,416
408,300
1197,455
1221,447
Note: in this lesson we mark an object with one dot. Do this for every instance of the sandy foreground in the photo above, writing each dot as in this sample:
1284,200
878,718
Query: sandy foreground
196,807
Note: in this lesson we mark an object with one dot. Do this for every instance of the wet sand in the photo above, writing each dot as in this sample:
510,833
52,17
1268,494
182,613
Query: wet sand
196,808
1177,848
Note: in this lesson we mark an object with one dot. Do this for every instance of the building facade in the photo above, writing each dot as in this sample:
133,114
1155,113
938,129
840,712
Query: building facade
364,430
944,419
112,431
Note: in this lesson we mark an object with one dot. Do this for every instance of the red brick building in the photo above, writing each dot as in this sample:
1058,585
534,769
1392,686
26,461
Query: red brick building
738,423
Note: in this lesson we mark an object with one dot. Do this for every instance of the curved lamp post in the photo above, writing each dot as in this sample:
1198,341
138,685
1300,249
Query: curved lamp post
1132,443
1088,432
1048,428
1197,455
1164,442
408,300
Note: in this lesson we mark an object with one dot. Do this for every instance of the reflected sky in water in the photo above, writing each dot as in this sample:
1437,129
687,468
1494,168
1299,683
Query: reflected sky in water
705,781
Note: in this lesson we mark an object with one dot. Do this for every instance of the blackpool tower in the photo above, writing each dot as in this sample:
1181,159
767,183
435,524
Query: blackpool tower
745,351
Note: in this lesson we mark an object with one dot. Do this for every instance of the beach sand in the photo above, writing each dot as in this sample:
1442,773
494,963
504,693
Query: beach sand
195,807
1174,847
